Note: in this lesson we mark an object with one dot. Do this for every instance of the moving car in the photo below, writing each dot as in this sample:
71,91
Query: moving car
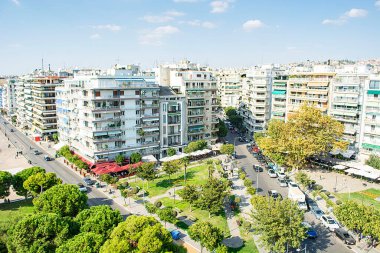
36,152
329,222
82,188
258,168
271,173
345,236
47,158
88,181
274,194
310,232
282,182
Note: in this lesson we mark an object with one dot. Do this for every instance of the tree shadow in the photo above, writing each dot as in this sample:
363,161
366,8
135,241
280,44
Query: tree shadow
320,244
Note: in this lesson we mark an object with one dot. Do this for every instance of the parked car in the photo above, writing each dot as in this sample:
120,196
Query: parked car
274,194
82,188
329,222
318,213
281,174
176,235
292,184
36,152
258,168
47,158
12,130
310,232
271,173
345,236
282,182
88,181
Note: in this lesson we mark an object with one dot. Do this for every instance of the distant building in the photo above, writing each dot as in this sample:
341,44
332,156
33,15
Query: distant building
229,87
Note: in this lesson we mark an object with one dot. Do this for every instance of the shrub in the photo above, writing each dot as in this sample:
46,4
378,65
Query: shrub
247,226
150,208
327,193
338,202
242,176
237,200
247,182
251,190
158,203
317,187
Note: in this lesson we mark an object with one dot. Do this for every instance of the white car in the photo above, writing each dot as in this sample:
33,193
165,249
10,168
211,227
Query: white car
281,175
282,182
291,184
271,173
82,188
329,222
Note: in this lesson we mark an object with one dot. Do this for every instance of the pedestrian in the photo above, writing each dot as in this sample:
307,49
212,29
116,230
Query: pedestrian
9,145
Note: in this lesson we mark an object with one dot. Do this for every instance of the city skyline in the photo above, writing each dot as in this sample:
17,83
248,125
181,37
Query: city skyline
99,34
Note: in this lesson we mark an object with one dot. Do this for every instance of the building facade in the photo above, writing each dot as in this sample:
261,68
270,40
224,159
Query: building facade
229,87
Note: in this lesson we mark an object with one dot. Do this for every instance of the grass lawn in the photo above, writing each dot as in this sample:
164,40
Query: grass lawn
366,197
13,212
196,175
249,244
219,221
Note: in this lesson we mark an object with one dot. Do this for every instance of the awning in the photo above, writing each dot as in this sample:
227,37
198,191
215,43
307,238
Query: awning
279,83
173,158
100,134
339,167
149,158
114,132
373,92
151,129
370,146
278,92
278,113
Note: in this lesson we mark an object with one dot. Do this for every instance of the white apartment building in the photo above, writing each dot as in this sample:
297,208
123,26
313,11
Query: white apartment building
9,97
101,115
370,121
279,97
229,87
24,111
200,88
255,107
173,122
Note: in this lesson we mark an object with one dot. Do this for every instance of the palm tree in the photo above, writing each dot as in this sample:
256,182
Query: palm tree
185,162
210,167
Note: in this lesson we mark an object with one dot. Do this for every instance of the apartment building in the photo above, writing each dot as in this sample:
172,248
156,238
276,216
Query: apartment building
173,122
256,98
103,114
24,111
279,97
229,82
199,86
347,89
9,97
370,121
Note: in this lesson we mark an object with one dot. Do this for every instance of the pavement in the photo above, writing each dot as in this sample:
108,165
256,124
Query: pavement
326,242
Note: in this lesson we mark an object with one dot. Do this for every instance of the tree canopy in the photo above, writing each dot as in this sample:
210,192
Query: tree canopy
278,223
20,177
40,182
171,151
138,233
64,199
98,219
227,149
135,157
211,196
171,167
84,243
166,214
119,159
147,171
5,182
195,146
222,129
373,161
39,233
206,234
306,133
190,194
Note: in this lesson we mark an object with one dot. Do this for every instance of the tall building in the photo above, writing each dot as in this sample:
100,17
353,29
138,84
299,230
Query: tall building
370,121
9,97
173,122
229,87
101,115
279,97
24,111
200,88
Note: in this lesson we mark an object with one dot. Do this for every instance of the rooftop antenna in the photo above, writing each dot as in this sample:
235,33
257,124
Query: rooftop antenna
49,67
42,65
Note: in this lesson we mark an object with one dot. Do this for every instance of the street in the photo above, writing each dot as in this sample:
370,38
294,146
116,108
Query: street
23,143
325,242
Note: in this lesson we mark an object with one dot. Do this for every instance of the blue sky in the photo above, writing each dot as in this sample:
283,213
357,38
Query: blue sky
220,33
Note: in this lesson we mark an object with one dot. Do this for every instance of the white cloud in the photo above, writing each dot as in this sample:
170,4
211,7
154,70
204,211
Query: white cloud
252,24
167,17
154,37
220,6
203,24
377,3
353,13
185,1
95,36
175,13
16,2
112,28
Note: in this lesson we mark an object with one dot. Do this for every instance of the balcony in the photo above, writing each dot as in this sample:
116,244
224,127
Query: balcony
194,123
105,128
150,124
195,114
107,139
105,108
193,105
153,115
149,106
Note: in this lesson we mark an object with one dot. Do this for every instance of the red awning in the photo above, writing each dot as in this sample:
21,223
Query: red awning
107,167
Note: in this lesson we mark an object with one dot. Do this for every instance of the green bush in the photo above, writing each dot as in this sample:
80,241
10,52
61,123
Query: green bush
338,202
237,200
242,176
158,203
150,208
247,182
251,190
327,193
317,187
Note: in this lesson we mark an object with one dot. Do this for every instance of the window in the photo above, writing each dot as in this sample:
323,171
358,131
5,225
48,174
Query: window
122,102
98,115
374,84
137,92
97,93
199,75
86,123
373,128
121,93
85,93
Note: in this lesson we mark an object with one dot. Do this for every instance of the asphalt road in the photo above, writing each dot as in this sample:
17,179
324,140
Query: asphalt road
95,197
326,241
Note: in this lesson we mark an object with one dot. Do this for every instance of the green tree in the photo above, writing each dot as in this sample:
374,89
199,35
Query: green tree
222,129
166,214
185,161
63,199
20,177
107,178
84,242
98,219
40,182
119,159
306,133
211,196
190,194
171,167
227,149
278,223
230,111
135,233
5,183
206,234
195,145
210,167
221,249
135,157
373,161
147,172
171,151
303,179
39,233
55,137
